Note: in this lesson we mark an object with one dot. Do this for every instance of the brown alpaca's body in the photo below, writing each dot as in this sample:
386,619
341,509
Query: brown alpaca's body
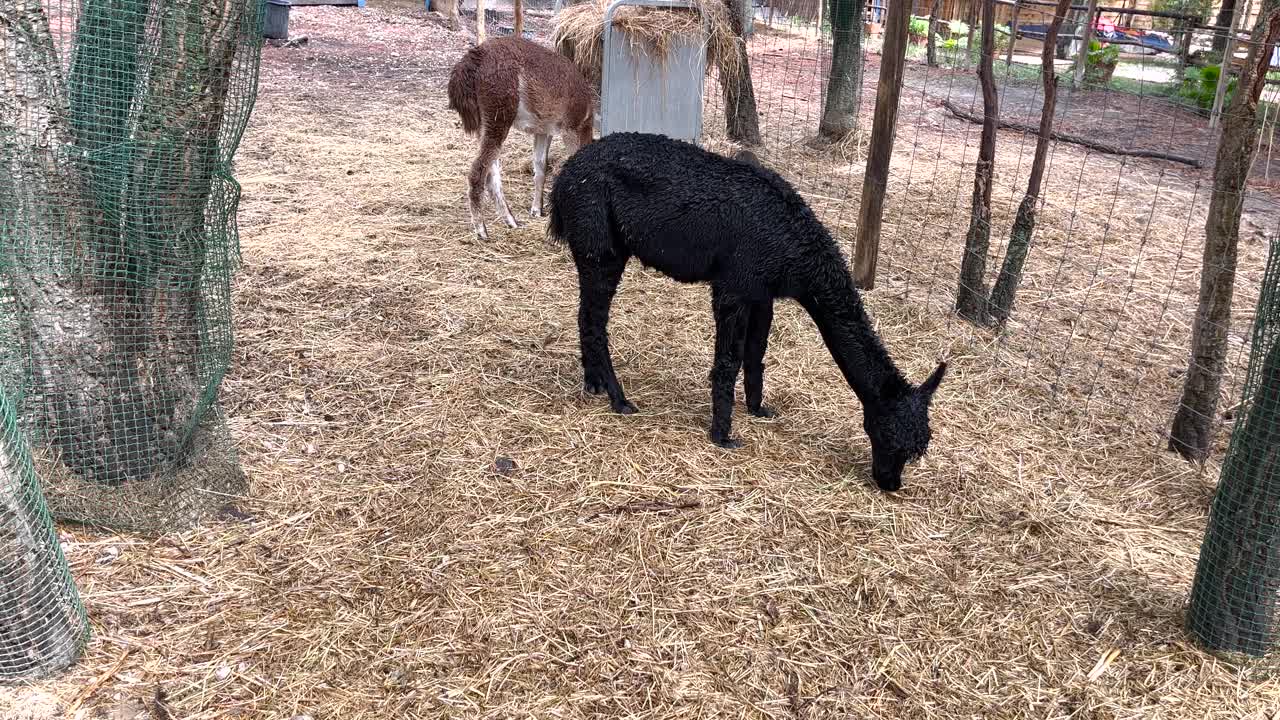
513,82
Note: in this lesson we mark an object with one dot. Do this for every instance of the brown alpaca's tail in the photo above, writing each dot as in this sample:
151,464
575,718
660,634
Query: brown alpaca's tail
463,96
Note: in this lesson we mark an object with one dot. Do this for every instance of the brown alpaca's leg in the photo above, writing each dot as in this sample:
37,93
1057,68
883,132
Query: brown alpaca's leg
479,182
495,189
541,146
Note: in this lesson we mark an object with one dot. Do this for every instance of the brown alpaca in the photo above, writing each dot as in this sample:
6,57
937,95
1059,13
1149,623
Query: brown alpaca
510,81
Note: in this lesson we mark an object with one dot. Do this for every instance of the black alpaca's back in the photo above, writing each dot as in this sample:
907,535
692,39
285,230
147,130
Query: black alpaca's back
691,214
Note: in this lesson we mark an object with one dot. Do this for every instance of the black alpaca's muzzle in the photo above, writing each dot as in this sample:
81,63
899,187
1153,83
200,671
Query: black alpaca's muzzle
887,472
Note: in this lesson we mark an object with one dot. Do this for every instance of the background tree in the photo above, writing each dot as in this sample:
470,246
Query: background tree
1233,605
971,296
742,121
449,9
1226,14
931,42
105,222
1024,225
1192,433
845,83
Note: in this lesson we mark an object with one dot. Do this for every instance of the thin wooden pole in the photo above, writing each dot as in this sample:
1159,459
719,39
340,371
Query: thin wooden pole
519,22
1184,45
480,36
1082,57
973,24
931,42
1220,92
876,178
1013,33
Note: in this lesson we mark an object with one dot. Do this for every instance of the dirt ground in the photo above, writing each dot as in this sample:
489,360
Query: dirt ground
442,525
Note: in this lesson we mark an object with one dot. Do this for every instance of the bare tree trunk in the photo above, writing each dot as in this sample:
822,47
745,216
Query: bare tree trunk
742,121
1226,13
1192,433
1184,46
449,9
1082,57
518,29
972,21
1024,226
845,84
931,43
1066,42
480,34
1013,32
971,296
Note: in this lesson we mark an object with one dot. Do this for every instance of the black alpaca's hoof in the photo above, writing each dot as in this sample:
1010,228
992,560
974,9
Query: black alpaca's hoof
624,408
593,387
764,411
889,484
727,443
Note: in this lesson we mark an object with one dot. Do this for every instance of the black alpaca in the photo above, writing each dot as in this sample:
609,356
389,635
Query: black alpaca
700,217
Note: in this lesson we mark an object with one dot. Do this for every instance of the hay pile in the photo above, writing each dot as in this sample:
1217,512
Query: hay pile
579,34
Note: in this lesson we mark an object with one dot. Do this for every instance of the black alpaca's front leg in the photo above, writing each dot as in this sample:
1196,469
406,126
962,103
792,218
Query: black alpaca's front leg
731,329
753,358
597,284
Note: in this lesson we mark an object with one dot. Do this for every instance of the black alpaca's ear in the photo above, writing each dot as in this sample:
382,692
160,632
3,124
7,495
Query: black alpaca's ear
930,386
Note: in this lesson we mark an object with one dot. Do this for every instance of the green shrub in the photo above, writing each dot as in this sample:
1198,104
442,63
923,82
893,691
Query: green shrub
1200,85
1102,55
919,26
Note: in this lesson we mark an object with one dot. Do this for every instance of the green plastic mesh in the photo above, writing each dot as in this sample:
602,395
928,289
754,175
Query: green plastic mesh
42,622
118,123
1237,585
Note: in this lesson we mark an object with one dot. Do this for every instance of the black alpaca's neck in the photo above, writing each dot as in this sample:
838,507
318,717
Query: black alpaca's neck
835,306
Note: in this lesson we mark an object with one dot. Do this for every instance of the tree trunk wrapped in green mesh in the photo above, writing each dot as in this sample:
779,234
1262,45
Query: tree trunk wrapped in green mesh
42,623
1236,594
118,122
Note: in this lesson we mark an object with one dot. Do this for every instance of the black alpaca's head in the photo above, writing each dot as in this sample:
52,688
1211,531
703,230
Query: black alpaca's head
898,426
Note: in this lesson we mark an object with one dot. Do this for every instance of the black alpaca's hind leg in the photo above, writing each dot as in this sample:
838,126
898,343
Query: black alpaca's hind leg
731,329
757,342
597,284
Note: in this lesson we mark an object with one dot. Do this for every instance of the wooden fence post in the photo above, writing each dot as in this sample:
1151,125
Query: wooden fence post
876,178
1013,32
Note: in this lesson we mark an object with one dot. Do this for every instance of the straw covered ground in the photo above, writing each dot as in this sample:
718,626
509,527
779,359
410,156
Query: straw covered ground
442,525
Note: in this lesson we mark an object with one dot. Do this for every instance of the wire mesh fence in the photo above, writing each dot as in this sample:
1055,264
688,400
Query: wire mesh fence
1237,587
1106,311
1143,160
118,122
42,622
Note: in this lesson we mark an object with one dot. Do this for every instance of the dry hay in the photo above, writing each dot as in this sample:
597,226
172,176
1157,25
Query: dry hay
579,34
441,525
